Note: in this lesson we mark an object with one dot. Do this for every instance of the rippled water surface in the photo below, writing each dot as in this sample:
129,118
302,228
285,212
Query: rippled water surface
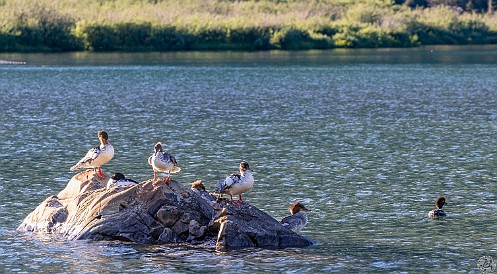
367,139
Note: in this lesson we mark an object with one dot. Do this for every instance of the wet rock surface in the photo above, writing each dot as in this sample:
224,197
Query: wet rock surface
155,213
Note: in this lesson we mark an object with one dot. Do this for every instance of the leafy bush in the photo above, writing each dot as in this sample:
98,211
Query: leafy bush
157,25
171,38
7,42
101,37
40,28
250,38
346,37
292,38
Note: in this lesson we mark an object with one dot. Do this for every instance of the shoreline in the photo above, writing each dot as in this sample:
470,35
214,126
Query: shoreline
239,26
424,54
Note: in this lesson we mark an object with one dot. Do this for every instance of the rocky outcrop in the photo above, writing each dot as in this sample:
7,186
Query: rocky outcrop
155,213
246,226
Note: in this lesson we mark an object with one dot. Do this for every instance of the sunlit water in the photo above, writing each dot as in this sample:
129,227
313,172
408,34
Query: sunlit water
367,139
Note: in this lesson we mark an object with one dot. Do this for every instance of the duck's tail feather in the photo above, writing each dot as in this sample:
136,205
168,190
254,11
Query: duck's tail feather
80,165
83,163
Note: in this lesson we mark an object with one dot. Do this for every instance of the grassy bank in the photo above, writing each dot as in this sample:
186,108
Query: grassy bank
155,25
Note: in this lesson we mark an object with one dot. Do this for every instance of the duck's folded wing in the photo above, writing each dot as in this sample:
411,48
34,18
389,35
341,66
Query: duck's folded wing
223,186
88,159
172,159
168,158
292,222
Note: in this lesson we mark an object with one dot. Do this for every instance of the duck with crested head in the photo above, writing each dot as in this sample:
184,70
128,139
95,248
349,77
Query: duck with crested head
438,212
298,219
97,156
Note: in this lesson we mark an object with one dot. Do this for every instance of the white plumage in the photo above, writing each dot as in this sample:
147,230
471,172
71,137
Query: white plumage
236,184
119,180
163,162
97,156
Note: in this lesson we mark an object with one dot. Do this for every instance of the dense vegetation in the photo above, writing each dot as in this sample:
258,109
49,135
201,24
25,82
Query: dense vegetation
145,25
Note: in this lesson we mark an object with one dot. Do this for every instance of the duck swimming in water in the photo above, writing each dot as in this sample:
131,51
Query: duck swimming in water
97,156
236,184
298,219
163,162
119,180
438,212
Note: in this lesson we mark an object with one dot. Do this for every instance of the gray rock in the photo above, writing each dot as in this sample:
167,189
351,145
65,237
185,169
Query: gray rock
167,236
154,213
48,217
182,225
247,226
168,215
195,230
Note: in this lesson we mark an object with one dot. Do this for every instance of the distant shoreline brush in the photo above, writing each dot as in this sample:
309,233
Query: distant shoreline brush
173,25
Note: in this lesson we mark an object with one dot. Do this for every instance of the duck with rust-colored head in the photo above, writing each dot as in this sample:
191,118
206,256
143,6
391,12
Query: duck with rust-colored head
438,212
298,219
199,188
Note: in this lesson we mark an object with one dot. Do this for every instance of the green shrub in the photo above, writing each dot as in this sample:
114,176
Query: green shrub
292,38
251,38
471,31
134,36
7,42
101,38
41,28
171,38
210,38
346,36
157,25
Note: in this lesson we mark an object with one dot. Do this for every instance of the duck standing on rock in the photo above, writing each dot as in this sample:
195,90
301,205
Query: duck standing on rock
236,184
97,156
438,212
199,188
163,162
119,180
298,219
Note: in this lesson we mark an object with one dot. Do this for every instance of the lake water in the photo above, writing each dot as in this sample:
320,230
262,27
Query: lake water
366,139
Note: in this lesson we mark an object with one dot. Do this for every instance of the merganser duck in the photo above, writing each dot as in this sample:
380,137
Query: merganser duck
163,162
119,180
438,212
97,156
199,188
236,184
298,219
